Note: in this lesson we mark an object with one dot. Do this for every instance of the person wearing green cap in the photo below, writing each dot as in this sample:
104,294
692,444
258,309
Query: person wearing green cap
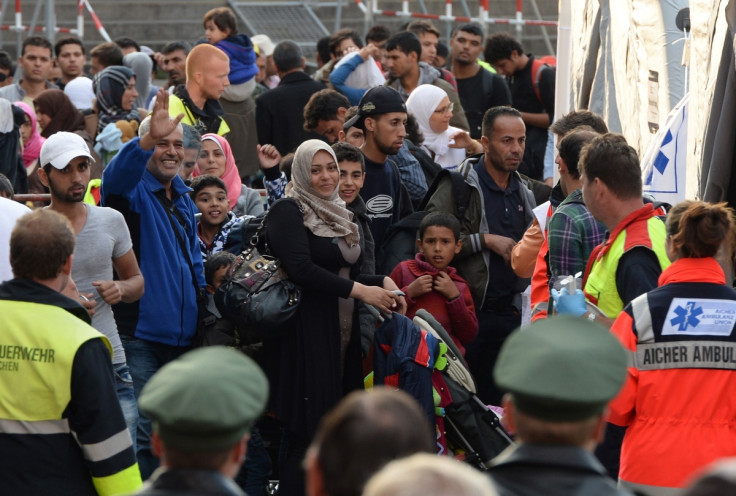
203,405
560,374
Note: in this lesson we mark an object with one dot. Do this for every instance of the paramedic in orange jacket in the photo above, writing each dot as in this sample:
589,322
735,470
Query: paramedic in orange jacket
677,400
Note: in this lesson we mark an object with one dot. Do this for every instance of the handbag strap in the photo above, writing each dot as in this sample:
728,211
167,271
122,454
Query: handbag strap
171,211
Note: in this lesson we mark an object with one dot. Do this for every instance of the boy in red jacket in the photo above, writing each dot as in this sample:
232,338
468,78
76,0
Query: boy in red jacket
430,283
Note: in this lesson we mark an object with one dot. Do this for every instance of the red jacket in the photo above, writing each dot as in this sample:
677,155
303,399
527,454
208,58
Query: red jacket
678,401
457,316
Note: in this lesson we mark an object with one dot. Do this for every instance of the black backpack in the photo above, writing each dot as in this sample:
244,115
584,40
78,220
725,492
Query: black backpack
400,240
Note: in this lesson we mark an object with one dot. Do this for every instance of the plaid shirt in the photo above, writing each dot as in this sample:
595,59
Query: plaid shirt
572,234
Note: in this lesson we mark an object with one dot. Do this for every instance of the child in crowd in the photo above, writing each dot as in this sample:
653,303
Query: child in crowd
218,228
430,283
352,174
219,331
353,135
221,30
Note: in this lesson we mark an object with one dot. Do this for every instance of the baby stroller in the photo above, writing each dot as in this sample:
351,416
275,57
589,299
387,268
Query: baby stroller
421,358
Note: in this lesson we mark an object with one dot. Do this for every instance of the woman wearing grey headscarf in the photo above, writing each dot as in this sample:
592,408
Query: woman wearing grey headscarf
318,359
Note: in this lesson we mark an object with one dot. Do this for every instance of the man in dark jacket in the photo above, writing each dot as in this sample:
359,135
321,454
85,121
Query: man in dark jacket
203,419
558,412
279,117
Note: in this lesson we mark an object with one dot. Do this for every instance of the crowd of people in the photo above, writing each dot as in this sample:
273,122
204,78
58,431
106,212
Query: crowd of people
119,365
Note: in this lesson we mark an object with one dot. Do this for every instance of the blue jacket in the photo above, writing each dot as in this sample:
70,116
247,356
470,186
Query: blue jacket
168,312
404,358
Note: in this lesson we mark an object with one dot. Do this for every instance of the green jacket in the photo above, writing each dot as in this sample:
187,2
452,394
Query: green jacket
472,261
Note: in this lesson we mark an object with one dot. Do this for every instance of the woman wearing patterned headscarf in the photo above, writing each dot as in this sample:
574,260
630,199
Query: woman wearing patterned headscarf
115,92
318,359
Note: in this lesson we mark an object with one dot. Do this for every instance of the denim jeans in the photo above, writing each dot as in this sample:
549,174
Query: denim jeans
126,397
255,472
144,359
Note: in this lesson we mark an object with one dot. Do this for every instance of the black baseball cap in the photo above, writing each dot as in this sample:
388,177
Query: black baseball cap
376,101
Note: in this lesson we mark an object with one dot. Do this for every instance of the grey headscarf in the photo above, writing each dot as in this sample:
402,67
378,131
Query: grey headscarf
324,216
141,65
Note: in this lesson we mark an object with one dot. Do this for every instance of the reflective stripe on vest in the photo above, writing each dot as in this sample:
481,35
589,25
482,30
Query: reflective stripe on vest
600,287
37,349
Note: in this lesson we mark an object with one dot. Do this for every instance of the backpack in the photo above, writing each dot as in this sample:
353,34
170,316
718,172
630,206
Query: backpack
400,240
537,65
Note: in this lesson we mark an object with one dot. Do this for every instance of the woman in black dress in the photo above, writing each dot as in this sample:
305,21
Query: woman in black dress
318,359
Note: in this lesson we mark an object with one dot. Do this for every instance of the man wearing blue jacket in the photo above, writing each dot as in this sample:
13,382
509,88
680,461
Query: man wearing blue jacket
142,183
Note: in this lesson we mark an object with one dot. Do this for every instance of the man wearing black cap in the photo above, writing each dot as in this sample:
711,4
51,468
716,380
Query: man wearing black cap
203,406
560,373
382,116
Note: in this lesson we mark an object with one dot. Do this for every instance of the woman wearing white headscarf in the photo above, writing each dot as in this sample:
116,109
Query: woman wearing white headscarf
447,145
318,359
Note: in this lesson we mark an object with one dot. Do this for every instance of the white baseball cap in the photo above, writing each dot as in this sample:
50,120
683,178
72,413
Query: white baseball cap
61,148
265,45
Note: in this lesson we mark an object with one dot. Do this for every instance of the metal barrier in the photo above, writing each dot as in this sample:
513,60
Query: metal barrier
50,29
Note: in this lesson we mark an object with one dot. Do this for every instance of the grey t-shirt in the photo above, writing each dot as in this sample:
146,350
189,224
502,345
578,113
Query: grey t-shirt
105,236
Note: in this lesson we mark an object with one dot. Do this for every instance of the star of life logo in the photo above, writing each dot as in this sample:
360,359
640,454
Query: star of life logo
709,317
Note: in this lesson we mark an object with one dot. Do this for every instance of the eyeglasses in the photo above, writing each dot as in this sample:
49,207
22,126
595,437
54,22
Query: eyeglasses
3,77
445,110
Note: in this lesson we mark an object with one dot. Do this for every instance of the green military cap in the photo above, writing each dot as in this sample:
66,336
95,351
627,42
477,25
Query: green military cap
205,400
561,369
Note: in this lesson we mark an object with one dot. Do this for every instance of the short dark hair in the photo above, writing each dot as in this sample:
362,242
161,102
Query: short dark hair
578,118
201,182
345,152
6,62
287,56
406,41
442,50
500,46
6,187
471,28
323,48
343,34
493,113
612,160
224,19
377,33
69,40
37,41
364,432
40,244
423,26
323,105
570,147
215,262
125,42
285,165
440,219
107,54
176,45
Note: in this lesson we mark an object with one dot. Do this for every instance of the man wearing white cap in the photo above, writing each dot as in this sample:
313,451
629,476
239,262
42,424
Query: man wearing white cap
266,48
103,243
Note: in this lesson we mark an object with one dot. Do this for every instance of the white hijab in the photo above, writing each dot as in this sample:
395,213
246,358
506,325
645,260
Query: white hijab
422,102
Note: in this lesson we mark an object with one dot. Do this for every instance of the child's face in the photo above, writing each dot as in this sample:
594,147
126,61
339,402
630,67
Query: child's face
217,279
355,136
213,33
213,203
439,246
351,180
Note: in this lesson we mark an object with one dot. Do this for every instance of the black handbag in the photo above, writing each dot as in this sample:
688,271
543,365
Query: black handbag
256,293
